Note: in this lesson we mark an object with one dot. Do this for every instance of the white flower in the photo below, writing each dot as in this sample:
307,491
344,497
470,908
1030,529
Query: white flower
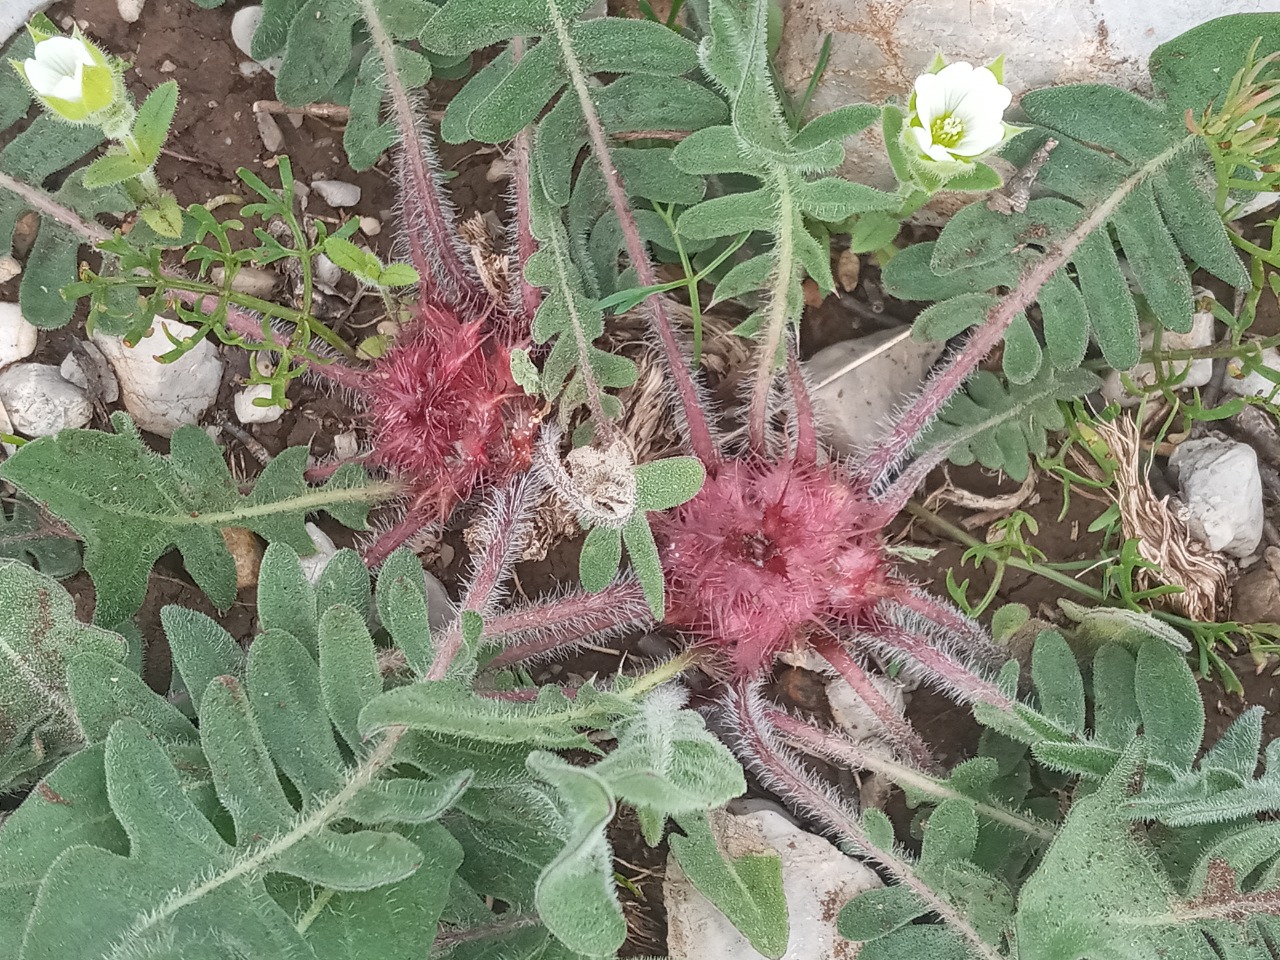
57,69
958,112
71,76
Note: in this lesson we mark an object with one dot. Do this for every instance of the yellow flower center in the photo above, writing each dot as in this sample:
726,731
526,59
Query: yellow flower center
946,130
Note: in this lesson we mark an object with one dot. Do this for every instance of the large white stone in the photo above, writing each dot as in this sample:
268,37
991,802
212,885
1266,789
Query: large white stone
1221,493
243,26
817,880
879,47
72,371
14,13
858,384
17,337
40,402
164,396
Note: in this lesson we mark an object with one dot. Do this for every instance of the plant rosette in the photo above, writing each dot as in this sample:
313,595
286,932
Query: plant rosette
71,77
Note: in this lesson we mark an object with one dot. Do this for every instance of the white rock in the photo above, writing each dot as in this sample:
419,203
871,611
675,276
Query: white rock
168,67
1253,384
1198,372
313,566
345,445
337,193
10,268
73,372
254,281
250,69
248,412
17,337
15,13
327,272
817,880
6,426
40,402
370,226
130,10
243,26
859,383
270,132
1221,493
880,47
163,396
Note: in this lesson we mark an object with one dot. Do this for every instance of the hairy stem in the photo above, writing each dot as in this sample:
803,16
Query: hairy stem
503,529
561,622
433,244
655,310
899,730
45,205
776,321
782,774
806,434
877,468
835,747
958,679
526,245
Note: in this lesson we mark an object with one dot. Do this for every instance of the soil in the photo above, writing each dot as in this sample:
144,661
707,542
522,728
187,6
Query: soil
215,134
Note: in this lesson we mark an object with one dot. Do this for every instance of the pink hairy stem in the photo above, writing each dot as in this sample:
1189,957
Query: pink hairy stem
918,601
894,448
526,245
560,622
416,519
782,774
434,249
958,678
896,725
678,365
503,538
250,327
806,434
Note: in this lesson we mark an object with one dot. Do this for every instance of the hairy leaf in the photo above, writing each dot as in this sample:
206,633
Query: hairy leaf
131,505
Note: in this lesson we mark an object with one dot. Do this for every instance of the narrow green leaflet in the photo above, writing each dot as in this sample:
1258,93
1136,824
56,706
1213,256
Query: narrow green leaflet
39,636
131,505
746,889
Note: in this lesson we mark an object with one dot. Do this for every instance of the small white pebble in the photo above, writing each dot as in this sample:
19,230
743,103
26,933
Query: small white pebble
248,412
345,445
10,268
270,132
337,193
130,10
370,226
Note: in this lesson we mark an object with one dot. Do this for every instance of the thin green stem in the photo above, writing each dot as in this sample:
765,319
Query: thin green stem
297,317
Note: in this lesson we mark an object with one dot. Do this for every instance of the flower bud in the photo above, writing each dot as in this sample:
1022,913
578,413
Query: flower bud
71,77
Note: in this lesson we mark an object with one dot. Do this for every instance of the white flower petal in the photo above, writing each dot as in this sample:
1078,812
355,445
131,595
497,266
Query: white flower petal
63,54
923,139
69,89
931,97
979,139
939,153
42,78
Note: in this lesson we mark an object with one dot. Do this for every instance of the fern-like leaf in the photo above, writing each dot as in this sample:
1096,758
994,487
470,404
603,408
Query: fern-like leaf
130,505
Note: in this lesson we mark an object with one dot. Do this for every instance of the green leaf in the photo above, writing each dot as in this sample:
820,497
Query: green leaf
643,553
663,484
130,505
1169,703
575,895
151,127
747,889
39,637
871,915
112,169
600,558
24,536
